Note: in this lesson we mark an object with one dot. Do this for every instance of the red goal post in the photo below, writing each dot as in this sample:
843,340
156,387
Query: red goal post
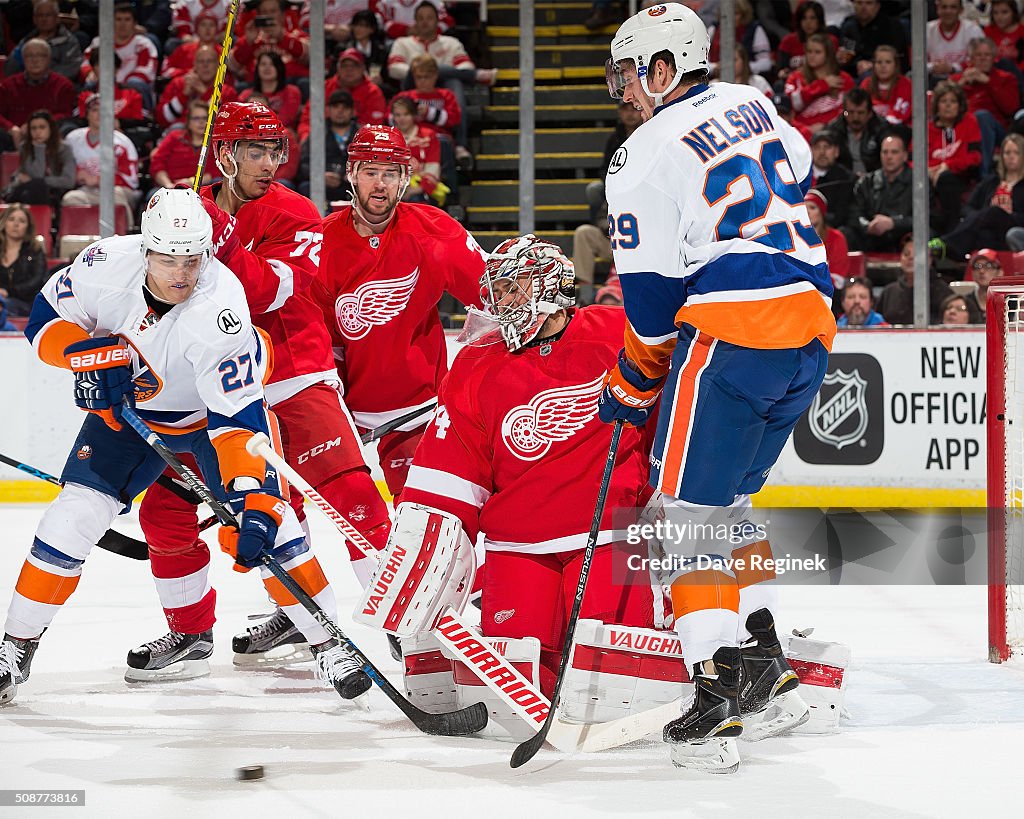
1005,479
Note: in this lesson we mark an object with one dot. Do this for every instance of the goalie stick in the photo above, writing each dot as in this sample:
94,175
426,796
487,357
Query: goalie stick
458,723
504,679
395,423
525,751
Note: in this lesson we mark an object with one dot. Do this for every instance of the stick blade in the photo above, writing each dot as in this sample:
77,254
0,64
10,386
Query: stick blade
123,545
461,723
527,750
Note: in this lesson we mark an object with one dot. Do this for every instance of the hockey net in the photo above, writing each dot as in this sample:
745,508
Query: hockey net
1005,490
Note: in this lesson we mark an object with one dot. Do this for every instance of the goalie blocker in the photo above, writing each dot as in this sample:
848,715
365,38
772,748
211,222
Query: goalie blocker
428,565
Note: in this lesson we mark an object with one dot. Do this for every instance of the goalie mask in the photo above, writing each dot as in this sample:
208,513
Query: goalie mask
668,27
526,280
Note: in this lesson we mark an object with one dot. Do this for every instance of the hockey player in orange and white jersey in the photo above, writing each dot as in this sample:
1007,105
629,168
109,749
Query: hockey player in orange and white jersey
270,238
727,295
156,323
384,266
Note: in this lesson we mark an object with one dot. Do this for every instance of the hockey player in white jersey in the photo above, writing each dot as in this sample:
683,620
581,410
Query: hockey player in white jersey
727,297
155,322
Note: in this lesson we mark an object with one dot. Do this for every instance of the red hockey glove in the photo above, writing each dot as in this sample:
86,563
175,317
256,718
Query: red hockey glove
225,235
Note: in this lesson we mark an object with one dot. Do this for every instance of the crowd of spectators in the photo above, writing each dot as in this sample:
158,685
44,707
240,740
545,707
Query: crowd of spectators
386,61
839,72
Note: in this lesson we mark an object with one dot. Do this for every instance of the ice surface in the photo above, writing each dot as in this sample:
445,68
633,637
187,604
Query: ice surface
935,730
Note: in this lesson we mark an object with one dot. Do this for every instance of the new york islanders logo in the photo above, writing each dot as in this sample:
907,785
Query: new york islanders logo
373,304
529,430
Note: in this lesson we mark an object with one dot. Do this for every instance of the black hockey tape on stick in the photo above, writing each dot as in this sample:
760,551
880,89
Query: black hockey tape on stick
525,751
395,423
111,541
456,723
218,85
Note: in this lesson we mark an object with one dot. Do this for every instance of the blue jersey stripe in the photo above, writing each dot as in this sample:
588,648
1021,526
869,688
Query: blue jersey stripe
252,417
42,314
756,271
651,302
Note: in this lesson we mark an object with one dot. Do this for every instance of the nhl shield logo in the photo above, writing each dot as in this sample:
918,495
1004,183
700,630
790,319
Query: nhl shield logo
839,413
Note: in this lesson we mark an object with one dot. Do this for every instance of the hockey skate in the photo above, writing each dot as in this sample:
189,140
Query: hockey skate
15,664
336,665
275,641
396,647
174,656
703,738
769,702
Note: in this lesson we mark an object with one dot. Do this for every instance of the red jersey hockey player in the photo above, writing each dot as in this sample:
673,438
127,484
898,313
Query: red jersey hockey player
386,264
516,450
269,236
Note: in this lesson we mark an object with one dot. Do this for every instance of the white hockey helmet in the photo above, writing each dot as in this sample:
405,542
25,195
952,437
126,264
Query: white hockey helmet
176,223
525,281
667,27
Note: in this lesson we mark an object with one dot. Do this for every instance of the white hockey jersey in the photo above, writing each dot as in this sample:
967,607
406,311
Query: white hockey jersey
708,227
200,364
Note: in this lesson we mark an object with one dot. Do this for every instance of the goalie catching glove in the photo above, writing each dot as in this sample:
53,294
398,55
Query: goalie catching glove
262,514
103,377
628,394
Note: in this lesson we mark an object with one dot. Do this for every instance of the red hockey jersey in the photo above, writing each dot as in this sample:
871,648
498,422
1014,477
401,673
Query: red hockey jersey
379,297
281,234
516,449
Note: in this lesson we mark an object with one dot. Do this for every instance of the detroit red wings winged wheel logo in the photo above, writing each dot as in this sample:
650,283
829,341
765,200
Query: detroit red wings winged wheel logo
373,304
529,430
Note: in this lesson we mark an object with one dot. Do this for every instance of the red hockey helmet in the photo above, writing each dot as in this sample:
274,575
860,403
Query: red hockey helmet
245,122
248,121
379,143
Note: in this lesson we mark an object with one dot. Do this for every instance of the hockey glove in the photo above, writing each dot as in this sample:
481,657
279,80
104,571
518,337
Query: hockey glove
628,394
262,514
103,377
225,234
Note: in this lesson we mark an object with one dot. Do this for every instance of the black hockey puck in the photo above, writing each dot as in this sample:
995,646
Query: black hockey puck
249,772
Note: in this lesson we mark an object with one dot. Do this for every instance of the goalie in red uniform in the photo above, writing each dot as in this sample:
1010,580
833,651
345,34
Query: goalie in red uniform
386,264
515,450
269,236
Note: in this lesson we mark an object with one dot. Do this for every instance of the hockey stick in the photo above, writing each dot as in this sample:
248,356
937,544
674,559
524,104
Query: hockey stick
218,84
111,541
458,723
525,751
488,665
530,705
395,423
259,445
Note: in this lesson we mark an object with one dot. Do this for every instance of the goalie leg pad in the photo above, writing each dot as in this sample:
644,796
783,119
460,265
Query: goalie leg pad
429,674
428,565
503,723
617,671
822,669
